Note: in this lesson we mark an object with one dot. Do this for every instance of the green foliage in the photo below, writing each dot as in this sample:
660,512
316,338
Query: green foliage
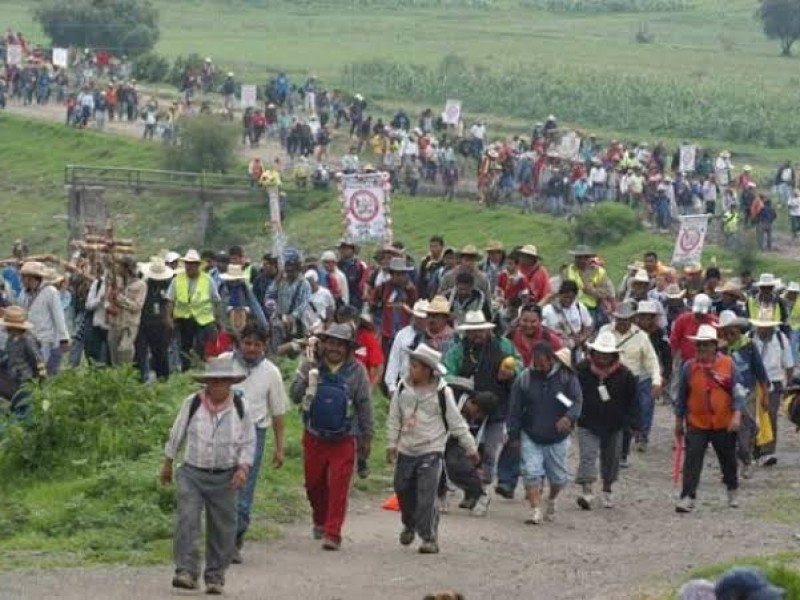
121,26
605,224
193,61
205,143
609,6
781,21
713,108
85,418
151,67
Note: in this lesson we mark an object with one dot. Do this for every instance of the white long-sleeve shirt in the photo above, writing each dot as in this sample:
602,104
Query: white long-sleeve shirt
46,315
397,365
96,302
637,353
776,354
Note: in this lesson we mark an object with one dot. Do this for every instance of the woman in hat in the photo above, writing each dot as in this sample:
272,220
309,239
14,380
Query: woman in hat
218,438
422,415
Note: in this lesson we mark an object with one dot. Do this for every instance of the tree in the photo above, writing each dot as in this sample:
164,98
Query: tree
205,143
119,26
781,21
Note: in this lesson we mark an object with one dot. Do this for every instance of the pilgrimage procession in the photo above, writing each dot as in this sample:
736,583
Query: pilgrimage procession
505,375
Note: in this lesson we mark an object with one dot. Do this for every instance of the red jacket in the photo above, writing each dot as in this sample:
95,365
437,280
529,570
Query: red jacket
538,282
686,325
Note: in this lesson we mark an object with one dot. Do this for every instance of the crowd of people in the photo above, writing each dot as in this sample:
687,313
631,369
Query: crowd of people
493,366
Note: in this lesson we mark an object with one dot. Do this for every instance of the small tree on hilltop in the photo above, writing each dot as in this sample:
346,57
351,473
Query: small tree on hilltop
781,21
121,26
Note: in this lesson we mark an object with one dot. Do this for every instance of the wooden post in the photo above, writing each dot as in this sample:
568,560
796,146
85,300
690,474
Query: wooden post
85,206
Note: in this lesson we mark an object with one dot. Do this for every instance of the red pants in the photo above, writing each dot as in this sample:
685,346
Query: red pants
328,469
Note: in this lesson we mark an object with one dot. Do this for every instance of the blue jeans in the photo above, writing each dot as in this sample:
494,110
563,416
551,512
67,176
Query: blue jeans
245,500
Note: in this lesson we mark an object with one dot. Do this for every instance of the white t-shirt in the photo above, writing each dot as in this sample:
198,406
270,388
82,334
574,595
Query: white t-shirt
566,321
478,131
794,206
263,393
598,175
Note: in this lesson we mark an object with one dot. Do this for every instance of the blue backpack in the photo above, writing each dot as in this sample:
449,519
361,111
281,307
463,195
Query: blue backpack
329,415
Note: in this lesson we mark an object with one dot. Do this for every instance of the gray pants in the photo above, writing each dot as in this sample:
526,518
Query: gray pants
494,438
198,490
121,346
746,436
416,483
607,448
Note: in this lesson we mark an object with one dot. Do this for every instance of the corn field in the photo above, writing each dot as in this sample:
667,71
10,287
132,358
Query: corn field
608,6
710,108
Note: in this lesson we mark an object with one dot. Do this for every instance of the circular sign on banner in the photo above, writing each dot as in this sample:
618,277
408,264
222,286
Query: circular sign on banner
452,113
690,239
364,206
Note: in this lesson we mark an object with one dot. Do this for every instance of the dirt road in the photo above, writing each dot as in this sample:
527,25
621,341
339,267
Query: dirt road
638,550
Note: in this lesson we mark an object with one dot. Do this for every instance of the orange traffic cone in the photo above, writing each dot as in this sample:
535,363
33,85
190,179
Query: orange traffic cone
391,503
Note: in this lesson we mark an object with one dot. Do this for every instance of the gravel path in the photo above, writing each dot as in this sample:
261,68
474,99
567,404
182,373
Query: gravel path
638,550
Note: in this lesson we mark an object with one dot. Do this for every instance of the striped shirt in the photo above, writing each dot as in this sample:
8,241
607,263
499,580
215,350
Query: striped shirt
212,441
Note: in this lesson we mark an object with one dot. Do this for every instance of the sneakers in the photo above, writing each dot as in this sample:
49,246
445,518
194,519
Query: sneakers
534,517
214,588
406,537
608,500
429,547
318,532
685,505
747,471
468,503
624,463
363,468
550,510
331,544
236,557
769,461
733,499
184,581
642,446
481,506
586,500
444,504
504,491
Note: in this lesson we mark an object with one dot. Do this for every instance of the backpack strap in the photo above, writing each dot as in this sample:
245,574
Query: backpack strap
443,406
238,404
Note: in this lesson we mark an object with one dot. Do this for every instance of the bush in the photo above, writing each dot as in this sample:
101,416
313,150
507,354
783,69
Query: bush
85,418
605,224
150,67
205,143
194,61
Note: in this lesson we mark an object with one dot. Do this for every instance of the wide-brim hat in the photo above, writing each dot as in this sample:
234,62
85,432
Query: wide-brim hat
605,343
34,269
191,256
793,287
729,287
494,246
428,356
705,333
438,306
564,355
222,367
419,310
14,318
399,265
767,280
157,270
339,331
647,307
475,320
234,273
171,257
529,250
469,250
641,276
674,292
728,318
693,268
582,250
624,310
725,154
764,323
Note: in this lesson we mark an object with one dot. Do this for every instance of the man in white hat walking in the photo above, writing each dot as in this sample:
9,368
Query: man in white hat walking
767,305
708,410
153,339
406,340
193,297
218,438
45,313
638,355
610,408
422,415
776,353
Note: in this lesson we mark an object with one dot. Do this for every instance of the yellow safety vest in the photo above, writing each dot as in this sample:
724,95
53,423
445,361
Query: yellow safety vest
597,280
200,306
730,222
794,316
754,310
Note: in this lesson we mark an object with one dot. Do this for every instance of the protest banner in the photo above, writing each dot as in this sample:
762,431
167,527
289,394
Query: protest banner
249,96
60,57
687,158
14,54
364,198
452,112
569,146
690,240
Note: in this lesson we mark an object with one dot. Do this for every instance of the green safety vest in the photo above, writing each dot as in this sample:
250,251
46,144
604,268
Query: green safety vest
730,223
200,306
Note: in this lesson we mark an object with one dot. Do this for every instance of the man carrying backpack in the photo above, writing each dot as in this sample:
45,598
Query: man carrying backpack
219,440
334,392
421,414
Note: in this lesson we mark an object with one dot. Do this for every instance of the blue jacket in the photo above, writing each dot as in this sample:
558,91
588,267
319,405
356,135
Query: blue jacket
534,405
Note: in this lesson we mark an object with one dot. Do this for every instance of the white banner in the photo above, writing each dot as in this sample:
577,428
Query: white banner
14,54
364,197
60,57
691,239
249,96
452,112
570,146
688,153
